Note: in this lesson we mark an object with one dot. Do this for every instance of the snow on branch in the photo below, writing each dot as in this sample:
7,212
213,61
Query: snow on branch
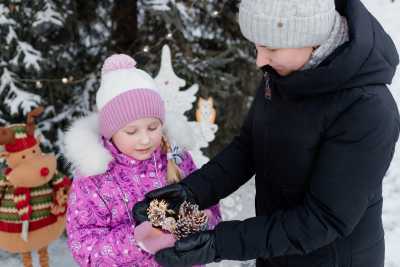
16,98
159,5
11,35
193,27
31,56
48,14
4,11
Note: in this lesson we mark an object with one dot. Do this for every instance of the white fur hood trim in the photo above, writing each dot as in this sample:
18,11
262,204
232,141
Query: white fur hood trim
84,148
87,155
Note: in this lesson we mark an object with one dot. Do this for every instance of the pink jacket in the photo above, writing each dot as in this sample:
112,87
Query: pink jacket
99,228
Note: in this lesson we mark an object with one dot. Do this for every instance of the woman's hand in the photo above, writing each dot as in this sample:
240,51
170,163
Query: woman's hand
199,248
174,195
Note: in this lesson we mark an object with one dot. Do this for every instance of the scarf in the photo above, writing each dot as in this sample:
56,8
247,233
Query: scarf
338,36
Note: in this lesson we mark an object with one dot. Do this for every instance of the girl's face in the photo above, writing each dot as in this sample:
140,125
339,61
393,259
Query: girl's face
140,138
283,60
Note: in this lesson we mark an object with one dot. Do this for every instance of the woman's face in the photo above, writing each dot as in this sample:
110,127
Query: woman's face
140,138
283,60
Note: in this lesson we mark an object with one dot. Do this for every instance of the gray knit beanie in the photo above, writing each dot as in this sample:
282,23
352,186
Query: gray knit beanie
287,23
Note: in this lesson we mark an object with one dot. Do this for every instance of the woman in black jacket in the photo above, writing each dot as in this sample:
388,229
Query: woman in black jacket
319,137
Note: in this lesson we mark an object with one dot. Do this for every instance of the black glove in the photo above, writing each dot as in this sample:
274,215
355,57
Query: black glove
174,195
196,249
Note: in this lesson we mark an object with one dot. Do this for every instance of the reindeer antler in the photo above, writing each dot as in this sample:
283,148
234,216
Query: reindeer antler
30,122
6,136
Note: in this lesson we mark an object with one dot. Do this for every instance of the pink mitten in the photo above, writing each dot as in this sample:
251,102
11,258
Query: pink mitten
151,239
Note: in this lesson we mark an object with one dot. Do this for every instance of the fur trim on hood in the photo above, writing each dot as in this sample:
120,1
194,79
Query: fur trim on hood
85,151
84,148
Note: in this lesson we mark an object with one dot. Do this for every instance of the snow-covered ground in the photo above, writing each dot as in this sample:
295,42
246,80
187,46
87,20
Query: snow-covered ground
240,205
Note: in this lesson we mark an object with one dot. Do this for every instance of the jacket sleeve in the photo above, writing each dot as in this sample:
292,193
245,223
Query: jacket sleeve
227,171
347,180
91,239
214,214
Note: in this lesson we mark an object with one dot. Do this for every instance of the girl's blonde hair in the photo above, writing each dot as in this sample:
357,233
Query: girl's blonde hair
174,173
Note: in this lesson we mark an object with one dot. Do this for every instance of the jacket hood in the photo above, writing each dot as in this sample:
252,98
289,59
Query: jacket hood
90,155
369,57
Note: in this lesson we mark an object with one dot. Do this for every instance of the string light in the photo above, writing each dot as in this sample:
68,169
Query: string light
39,84
72,80
146,49
170,35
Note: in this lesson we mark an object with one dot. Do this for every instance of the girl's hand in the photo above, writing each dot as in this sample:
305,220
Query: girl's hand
151,239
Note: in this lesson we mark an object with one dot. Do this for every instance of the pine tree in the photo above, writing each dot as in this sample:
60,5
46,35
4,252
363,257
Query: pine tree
209,50
17,57
53,51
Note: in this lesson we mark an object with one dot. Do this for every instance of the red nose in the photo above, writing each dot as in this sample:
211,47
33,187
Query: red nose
44,172
7,171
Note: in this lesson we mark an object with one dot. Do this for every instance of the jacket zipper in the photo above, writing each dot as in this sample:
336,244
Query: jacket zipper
267,90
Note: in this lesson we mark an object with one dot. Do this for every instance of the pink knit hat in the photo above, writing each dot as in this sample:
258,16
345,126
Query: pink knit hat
126,94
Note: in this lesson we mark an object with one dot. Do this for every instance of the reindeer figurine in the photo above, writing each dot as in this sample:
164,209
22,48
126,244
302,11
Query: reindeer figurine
33,194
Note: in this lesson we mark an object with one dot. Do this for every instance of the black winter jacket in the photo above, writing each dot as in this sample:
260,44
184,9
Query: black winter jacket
319,147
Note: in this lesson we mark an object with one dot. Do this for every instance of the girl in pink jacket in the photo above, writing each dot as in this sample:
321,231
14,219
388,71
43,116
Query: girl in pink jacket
120,153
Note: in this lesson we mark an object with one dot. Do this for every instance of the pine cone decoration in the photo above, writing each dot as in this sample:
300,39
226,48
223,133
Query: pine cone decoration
157,212
187,210
190,220
169,224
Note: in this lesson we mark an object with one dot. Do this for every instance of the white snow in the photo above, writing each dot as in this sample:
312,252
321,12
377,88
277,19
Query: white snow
159,5
48,14
17,98
387,13
58,253
3,16
31,56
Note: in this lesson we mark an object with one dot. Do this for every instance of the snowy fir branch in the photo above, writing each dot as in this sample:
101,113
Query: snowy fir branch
48,14
54,51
